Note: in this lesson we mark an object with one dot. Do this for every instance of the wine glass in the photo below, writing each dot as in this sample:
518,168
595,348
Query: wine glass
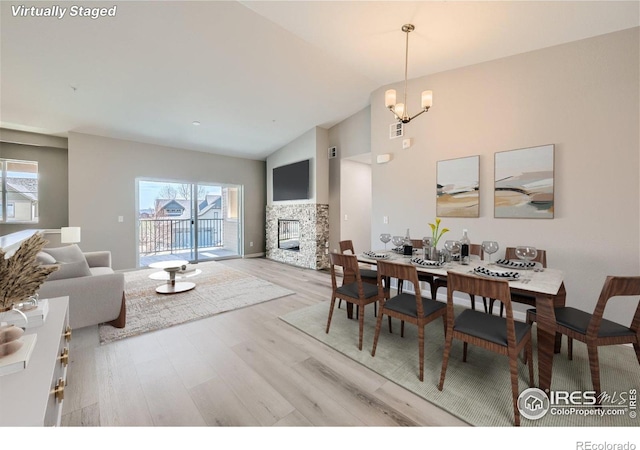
397,241
385,238
453,247
526,252
490,247
426,247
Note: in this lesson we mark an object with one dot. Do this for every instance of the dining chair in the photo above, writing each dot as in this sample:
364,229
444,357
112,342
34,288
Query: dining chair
474,249
504,336
510,253
412,308
368,275
417,243
596,331
352,290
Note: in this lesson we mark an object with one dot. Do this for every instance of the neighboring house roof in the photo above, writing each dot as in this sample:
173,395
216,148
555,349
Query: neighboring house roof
174,205
210,202
27,187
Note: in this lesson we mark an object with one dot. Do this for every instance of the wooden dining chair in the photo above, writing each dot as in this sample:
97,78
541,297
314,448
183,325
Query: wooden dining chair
411,308
510,253
596,331
474,249
368,275
352,290
501,335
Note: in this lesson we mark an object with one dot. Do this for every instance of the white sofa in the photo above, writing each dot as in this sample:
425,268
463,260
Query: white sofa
96,293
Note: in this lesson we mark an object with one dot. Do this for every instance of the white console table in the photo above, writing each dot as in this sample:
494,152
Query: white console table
34,396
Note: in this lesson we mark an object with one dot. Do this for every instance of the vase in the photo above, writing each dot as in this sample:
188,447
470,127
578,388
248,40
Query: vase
434,254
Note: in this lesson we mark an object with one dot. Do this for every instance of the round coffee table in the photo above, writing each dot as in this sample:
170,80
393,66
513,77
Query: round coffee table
170,273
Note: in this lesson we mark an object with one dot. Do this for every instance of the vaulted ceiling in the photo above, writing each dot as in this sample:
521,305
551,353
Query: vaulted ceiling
256,75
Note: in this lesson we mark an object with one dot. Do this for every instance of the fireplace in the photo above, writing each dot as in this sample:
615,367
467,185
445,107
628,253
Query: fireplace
298,234
289,234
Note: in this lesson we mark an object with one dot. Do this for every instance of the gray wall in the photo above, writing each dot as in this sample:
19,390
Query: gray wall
352,137
584,98
102,186
53,175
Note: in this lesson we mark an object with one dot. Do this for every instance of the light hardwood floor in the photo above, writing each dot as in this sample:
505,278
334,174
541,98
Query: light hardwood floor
242,368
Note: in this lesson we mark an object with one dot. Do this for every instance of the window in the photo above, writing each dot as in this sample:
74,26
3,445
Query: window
18,191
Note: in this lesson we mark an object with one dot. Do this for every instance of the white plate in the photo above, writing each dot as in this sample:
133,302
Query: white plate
426,263
516,264
496,274
376,256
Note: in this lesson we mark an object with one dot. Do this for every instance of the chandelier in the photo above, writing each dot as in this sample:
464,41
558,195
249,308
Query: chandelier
399,110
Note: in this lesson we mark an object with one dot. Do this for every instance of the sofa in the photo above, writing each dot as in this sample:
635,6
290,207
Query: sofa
95,291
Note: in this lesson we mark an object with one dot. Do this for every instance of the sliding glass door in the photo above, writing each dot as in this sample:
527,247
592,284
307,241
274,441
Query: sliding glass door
189,221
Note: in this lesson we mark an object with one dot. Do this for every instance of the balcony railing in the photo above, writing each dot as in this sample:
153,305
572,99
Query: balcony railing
289,234
170,235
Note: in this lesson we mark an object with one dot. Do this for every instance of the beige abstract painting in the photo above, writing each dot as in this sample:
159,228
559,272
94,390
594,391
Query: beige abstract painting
458,187
524,183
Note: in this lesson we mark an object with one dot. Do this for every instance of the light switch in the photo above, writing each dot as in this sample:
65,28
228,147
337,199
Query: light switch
120,219
406,143
346,217
385,219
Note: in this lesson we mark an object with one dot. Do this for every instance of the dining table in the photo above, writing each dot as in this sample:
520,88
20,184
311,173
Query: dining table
545,284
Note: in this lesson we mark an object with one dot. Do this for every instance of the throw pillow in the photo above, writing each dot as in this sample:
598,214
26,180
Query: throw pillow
43,258
72,262
70,253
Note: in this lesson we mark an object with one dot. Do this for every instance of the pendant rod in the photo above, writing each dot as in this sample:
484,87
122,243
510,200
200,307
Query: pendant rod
406,65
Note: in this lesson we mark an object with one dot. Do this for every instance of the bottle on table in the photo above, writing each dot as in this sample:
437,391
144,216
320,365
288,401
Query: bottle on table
407,246
465,245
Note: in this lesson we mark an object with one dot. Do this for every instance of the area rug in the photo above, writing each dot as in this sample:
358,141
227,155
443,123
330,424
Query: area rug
218,289
478,391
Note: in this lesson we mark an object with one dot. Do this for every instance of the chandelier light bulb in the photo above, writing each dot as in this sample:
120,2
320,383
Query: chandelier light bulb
390,98
427,99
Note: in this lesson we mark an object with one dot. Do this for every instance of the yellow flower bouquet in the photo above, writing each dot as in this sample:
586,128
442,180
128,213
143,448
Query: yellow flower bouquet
436,232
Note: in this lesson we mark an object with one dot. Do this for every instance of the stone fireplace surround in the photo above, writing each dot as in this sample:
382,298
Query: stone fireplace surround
314,234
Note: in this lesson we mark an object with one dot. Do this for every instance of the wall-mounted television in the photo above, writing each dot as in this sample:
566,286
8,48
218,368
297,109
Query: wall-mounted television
291,182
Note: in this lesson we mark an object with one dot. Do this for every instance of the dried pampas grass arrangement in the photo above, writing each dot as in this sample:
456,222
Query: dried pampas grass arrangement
20,274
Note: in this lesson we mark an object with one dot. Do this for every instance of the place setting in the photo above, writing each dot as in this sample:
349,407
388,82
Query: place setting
526,255
416,261
375,255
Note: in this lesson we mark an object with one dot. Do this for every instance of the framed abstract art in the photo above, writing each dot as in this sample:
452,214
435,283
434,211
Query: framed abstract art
458,187
524,181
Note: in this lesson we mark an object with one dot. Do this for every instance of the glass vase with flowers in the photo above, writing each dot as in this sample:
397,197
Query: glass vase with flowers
436,234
